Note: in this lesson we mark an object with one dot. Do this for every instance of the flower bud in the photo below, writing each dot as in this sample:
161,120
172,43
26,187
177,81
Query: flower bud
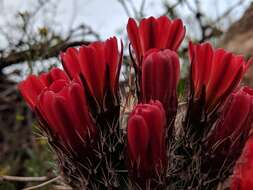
160,76
243,171
146,142
228,136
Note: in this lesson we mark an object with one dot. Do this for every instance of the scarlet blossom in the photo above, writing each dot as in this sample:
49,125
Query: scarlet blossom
97,67
160,33
33,85
160,76
243,171
146,140
226,140
98,64
214,72
61,107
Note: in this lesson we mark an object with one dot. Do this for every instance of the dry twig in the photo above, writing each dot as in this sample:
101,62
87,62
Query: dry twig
43,184
23,179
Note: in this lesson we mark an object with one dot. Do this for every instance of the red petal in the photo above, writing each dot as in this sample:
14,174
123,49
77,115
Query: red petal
202,66
54,74
177,33
138,138
112,59
58,85
44,105
148,33
133,35
80,110
92,61
147,79
64,119
163,24
226,74
155,122
70,62
31,89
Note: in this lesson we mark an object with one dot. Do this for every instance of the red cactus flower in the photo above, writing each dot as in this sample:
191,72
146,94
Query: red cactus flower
229,135
243,171
160,33
146,140
160,75
33,85
99,66
61,106
218,72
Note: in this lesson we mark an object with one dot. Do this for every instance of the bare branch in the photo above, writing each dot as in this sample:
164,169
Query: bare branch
36,52
23,179
43,184
123,3
228,11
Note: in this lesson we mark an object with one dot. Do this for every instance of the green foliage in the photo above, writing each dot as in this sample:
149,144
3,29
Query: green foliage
33,161
40,162
7,186
181,87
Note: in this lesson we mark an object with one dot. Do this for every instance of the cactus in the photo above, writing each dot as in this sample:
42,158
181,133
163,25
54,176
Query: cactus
164,144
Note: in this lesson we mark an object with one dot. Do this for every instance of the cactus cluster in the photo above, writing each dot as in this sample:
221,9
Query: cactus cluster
165,144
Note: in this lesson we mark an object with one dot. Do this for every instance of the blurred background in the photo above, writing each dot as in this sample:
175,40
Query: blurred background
34,32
